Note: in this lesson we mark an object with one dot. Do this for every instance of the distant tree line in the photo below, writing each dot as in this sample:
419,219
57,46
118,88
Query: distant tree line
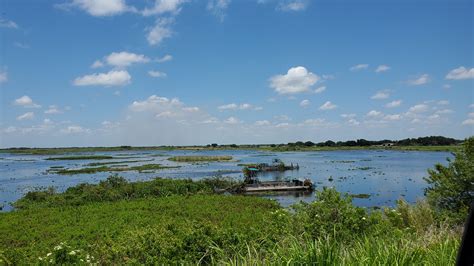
422,141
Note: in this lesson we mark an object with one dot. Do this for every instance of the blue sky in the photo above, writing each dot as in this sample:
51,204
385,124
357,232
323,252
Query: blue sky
178,72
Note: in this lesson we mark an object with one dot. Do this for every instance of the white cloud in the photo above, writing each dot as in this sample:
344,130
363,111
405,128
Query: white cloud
97,64
111,78
320,89
21,45
420,80
446,86
380,95
348,115
471,105
374,113
468,122
282,117
443,102
156,103
419,108
160,31
232,120
191,109
234,106
53,109
444,111
353,122
262,123
359,67
382,68
393,117
26,116
157,74
304,103
5,23
3,76
461,73
296,80
165,58
164,6
125,59
393,104
74,129
100,8
471,115
26,102
328,106
293,5
218,8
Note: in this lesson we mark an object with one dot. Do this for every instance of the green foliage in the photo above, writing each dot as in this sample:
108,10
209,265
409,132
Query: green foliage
116,188
105,168
84,157
166,221
452,187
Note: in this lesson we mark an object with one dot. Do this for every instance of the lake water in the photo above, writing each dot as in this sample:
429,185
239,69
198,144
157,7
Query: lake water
385,175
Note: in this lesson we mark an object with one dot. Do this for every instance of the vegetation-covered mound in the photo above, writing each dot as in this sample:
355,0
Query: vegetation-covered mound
198,158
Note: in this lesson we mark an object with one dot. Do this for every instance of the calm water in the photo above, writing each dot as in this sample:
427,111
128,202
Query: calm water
385,175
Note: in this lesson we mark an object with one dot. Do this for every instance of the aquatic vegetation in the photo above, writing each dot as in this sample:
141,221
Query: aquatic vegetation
81,157
360,196
182,222
105,168
198,158
117,162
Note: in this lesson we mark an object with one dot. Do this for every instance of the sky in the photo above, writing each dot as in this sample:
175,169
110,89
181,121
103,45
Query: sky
188,72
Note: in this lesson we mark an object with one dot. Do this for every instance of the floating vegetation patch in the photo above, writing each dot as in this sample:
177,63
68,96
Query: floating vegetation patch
81,157
118,162
105,168
362,168
342,161
158,155
200,158
360,196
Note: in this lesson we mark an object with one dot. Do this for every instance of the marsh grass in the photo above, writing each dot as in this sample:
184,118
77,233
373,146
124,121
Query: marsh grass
200,158
105,168
80,157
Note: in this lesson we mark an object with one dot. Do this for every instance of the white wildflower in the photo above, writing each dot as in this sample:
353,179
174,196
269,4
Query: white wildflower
49,254
72,253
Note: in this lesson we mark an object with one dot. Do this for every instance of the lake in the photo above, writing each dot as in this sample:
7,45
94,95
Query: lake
383,174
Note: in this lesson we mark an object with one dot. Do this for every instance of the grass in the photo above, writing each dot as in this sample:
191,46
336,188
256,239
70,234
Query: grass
360,196
105,168
200,158
82,157
166,221
118,162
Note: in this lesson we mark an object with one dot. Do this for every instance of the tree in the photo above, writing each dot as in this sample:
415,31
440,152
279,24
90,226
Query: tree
452,187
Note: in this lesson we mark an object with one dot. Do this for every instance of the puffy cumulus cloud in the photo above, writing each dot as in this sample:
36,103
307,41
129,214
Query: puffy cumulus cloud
218,8
99,8
444,111
382,68
26,101
353,122
160,31
3,76
157,74
393,117
124,59
161,7
468,122
165,58
262,123
420,80
232,120
155,103
348,115
443,102
394,104
5,23
380,95
26,116
296,80
359,67
320,89
111,78
419,108
305,103
53,109
97,64
327,106
374,113
234,107
293,5
461,73
74,129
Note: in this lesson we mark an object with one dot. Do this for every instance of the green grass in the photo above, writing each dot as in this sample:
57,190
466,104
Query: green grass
360,196
105,168
118,162
165,221
82,157
200,158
